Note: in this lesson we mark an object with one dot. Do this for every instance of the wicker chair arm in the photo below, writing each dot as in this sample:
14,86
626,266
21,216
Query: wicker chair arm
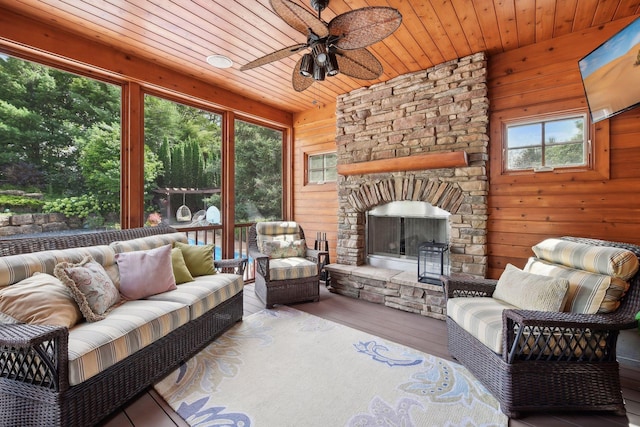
460,286
261,262
560,336
35,354
233,266
321,258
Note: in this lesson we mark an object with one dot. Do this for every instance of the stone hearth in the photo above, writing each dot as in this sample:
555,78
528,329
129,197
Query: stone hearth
434,113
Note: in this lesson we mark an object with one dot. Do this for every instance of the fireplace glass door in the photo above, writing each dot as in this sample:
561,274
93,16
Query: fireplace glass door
400,237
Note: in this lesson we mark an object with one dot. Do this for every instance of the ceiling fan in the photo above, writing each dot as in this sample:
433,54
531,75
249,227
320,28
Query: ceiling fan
336,47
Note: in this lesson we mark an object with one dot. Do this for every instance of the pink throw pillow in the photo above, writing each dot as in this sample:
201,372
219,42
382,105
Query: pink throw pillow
145,273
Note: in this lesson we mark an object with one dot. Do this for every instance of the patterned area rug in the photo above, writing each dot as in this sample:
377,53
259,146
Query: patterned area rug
284,367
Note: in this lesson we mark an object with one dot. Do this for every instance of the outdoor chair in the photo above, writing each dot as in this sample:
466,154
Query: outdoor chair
544,338
286,270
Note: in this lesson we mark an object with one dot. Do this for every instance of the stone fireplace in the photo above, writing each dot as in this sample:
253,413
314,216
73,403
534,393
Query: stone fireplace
421,137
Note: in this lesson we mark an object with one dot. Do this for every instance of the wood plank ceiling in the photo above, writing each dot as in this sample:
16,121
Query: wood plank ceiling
180,34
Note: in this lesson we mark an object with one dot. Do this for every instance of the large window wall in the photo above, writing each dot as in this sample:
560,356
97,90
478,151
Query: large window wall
60,139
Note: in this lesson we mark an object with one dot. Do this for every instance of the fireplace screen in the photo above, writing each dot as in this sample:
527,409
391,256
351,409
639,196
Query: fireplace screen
432,261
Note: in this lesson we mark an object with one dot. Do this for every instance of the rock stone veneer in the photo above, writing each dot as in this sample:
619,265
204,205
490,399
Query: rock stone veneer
441,109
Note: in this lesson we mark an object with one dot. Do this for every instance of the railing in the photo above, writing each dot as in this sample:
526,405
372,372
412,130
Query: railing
212,234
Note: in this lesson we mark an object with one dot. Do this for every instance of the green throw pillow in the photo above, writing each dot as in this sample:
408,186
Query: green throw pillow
198,258
180,270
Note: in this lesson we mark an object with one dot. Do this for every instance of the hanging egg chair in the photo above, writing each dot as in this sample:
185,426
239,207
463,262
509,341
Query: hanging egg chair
183,214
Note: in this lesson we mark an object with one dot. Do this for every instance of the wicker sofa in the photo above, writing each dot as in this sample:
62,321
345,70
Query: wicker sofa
557,360
44,381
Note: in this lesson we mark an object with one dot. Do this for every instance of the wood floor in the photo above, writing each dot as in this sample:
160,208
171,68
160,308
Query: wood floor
419,332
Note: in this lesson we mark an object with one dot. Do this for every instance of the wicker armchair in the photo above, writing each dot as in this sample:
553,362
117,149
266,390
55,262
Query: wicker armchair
284,274
550,361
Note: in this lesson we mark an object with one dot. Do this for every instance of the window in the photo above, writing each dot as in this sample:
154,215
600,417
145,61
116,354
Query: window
321,168
258,172
543,145
182,164
60,135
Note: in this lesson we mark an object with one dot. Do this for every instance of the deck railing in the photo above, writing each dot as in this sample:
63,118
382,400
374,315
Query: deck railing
212,234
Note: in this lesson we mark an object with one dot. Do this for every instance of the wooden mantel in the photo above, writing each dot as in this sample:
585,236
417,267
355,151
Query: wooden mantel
420,162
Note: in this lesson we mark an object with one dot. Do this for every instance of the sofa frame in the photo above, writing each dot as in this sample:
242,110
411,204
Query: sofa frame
526,381
34,383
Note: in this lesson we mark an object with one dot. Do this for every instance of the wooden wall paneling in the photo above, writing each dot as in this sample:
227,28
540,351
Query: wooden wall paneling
315,206
523,210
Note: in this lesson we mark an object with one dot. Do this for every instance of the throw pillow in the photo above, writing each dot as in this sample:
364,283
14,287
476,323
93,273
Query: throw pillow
41,299
283,249
180,270
531,291
199,258
90,286
610,261
145,273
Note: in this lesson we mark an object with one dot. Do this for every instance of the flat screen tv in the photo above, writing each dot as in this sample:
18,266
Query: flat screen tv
611,74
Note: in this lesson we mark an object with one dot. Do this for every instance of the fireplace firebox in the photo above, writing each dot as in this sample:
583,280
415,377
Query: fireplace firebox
396,230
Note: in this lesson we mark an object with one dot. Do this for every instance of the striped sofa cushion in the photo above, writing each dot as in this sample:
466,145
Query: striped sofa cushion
291,268
148,242
610,261
589,293
15,268
96,346
481,317
204,292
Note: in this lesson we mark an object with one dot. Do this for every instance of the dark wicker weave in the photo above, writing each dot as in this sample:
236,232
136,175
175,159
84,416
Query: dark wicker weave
528,378
288,291
34,387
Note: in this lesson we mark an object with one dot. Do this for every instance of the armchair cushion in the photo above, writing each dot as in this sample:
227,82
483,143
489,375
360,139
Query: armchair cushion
481,317
589,293
41,299
610,261
531,291
291,268
284,249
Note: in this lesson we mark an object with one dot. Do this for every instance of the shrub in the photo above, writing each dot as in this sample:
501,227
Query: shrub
81,207
20,204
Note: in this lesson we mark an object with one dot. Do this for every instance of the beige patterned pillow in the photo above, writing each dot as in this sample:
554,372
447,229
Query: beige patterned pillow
283,249
531,291
39,300
90,286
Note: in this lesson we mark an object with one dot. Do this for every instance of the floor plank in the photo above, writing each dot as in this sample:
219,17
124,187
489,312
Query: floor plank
413,330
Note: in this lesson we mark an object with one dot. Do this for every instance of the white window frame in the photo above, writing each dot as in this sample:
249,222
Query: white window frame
543,121
323,169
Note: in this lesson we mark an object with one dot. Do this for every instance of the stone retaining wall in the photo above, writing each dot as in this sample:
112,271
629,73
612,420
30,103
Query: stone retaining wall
16,224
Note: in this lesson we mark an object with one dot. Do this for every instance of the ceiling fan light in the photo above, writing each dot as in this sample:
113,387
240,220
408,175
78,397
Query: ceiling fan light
319,52
306,66
318,72
332,65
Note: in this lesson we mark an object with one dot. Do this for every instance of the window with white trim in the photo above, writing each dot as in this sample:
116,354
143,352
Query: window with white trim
321,168
544,145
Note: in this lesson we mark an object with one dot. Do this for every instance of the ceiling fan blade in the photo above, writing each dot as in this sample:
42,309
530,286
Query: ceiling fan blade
359,63
300,18
273,56
363,27
300,82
